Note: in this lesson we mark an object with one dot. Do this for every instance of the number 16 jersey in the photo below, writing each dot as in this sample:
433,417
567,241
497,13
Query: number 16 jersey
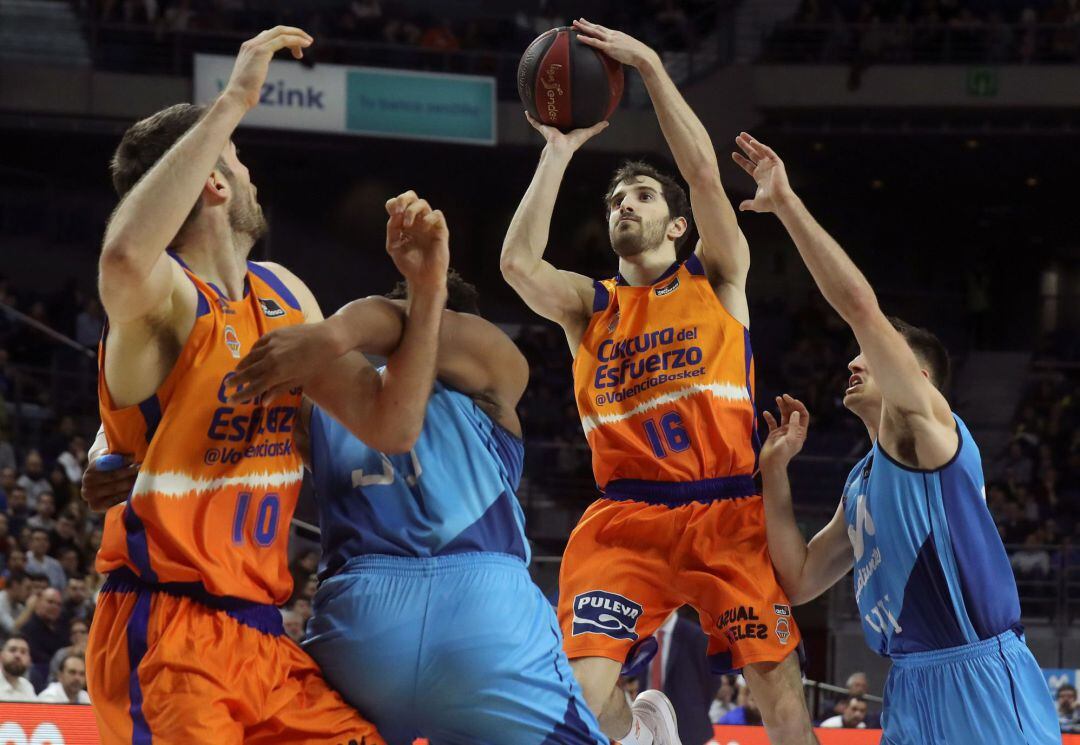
664,381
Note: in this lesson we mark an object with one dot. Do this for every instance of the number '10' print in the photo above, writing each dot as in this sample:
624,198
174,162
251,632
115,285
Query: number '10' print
266,519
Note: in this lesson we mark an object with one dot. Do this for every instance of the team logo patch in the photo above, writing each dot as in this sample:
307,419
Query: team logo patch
232,341
669,288
783,630
783,623
599,612
614,323
270,308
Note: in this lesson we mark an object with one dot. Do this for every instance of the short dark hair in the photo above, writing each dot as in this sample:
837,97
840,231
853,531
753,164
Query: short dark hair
147,140
35,531
72,656
15,637
16,576
37,577
461,296
928,349
1065,687
675,196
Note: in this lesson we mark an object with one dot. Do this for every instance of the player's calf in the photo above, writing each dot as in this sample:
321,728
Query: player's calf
778,692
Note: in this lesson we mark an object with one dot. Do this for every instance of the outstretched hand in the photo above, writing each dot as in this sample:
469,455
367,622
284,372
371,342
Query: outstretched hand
566,143
418,240
787,438
621,47
253,62
767,170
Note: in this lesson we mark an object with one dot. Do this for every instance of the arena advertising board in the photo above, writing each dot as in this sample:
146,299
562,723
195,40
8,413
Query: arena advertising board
756,736
51,724
362,100
57,724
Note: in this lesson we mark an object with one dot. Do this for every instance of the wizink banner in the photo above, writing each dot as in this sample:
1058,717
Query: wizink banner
362,100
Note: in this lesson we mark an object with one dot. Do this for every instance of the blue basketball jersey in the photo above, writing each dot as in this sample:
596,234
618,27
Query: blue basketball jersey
930,569
453,493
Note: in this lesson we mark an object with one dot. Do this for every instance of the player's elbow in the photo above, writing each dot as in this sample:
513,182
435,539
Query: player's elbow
858,305
118,260
514,266
396,433
399,442
799,595
388,439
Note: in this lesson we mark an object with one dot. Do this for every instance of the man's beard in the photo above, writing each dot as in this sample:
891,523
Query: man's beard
15,669
630,242
246,217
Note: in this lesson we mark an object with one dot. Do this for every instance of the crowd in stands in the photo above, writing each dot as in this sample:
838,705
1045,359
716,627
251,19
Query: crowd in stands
1033,488
734,705
866,32
506,27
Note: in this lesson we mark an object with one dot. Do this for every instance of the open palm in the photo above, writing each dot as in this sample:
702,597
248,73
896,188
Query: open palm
768,172
787,437
566,142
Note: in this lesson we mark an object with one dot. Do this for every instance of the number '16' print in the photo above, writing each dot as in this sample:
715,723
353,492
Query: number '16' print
674,435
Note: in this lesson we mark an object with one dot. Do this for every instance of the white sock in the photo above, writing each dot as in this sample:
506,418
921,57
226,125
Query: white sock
639,734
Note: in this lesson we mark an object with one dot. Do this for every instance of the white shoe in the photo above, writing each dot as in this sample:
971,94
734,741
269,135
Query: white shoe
653,709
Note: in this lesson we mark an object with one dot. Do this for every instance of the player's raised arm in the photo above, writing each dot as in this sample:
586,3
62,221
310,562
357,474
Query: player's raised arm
804,570
724,250
905,389
385,411
474,355
136,278
560,296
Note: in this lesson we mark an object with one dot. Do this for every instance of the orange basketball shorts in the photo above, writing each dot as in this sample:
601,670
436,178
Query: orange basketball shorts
648,548
165,668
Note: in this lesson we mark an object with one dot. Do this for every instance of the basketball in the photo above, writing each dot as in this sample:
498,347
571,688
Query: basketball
567,84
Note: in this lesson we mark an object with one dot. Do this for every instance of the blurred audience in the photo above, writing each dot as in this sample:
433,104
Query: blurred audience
70,686
14,664
865,32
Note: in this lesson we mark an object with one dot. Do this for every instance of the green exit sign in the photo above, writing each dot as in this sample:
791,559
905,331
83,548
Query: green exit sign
982,82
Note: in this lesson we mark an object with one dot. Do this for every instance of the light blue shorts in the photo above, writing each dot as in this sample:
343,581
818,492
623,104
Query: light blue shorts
988,693
461,649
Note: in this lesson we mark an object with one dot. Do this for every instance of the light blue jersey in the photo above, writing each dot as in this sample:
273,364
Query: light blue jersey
427,620
454,493
930,569
936,594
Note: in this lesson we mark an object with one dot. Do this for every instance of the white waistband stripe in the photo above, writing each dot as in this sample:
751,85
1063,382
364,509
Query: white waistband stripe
726,391
175,484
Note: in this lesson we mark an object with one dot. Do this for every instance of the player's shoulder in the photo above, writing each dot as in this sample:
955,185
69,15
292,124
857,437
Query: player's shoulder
270,271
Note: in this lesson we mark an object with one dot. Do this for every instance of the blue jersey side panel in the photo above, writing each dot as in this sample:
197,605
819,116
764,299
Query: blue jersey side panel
930,569
454,493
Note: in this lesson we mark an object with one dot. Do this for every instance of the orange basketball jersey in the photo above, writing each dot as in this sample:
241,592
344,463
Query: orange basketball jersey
664,380
218,482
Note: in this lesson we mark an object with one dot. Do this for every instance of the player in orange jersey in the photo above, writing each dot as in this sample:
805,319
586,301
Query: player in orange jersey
663,376
187,645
